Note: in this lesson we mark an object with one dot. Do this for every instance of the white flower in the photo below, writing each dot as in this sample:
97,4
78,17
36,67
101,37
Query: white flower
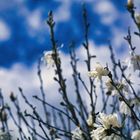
47,58
77,134
136,135
126,63
109,85
108,121
137,18
135,61
103,131
90,120
124,109
98,134
98,72
102,134
122,87
125,88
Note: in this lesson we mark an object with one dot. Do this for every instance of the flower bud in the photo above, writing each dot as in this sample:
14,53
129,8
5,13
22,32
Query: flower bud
52,131
130,4
3,115
90,120
137,18
12,97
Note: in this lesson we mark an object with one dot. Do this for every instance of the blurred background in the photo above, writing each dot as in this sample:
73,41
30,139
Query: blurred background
24,34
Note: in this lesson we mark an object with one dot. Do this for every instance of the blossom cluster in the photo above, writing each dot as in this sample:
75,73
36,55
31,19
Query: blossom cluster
107,129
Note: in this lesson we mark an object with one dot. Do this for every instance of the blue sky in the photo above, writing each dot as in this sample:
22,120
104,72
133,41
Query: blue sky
24,33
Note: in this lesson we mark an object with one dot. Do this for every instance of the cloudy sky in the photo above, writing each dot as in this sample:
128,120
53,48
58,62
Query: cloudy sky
24,35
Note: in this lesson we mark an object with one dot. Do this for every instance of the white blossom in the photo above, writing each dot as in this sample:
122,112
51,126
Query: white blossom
109,85
102,130
122,87
124,109
137,18
125,88
98,72
132,61
101,134
77,134
90,120
47,58
135,61
136,135
108,120
98,133
126,63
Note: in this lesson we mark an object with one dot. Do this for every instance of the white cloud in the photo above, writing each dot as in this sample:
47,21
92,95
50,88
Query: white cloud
63,13
107,12
118,39
35,24
5,32
34,19
7,4
20,76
